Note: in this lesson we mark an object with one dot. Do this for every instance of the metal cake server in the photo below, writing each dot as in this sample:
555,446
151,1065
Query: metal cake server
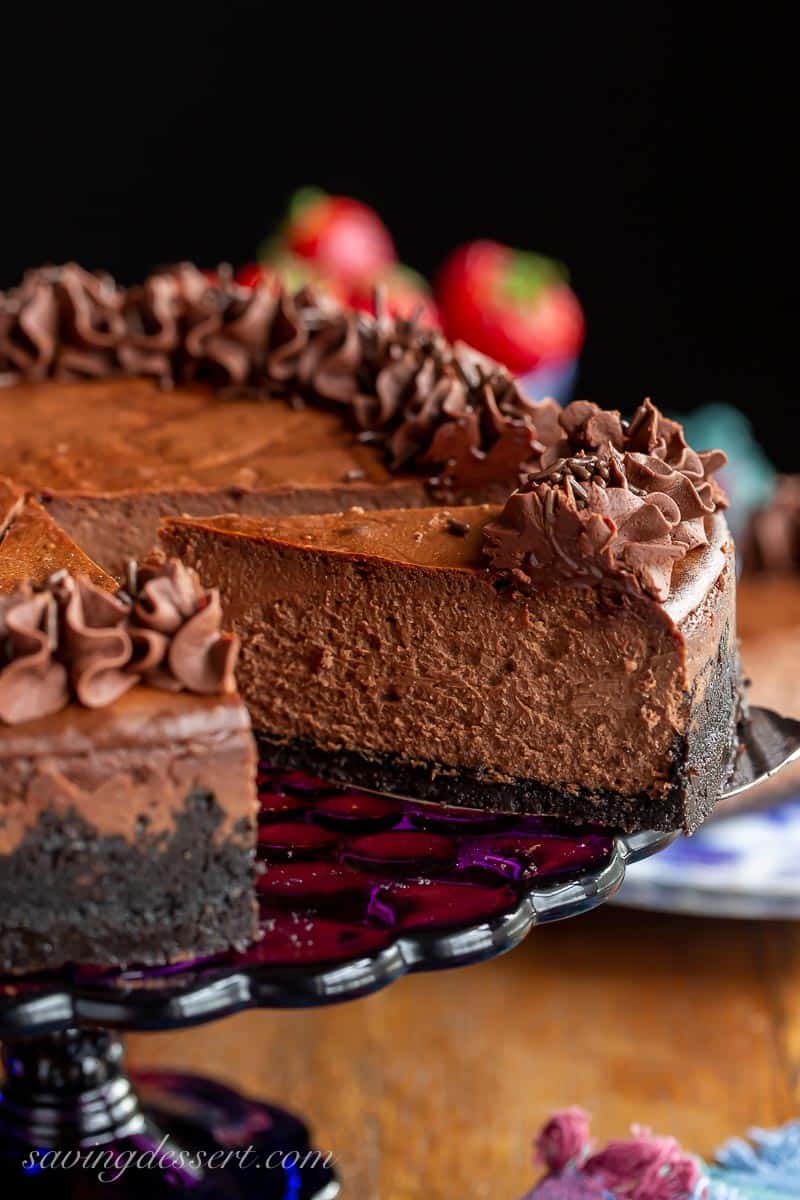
769,742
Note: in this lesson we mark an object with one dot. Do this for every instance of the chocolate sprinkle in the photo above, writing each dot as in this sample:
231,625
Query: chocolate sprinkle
458,528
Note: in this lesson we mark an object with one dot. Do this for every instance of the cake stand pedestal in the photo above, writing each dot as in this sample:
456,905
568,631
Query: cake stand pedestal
153,1135
360,889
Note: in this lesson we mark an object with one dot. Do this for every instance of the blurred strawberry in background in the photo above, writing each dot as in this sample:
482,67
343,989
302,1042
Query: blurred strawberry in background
252,274
343,247
343,238
513,306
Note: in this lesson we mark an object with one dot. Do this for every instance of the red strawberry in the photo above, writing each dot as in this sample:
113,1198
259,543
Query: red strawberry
404,293
515,307
344,239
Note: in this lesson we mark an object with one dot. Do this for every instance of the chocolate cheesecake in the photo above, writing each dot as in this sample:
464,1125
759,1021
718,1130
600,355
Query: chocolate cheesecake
249,418
12,499
571,653
127,766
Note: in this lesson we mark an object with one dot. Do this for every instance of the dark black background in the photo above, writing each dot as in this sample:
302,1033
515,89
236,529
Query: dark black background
653,148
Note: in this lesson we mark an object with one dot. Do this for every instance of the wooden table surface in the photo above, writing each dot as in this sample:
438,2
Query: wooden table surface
432,1089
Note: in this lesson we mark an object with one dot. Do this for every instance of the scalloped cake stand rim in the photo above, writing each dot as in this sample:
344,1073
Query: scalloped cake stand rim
209,993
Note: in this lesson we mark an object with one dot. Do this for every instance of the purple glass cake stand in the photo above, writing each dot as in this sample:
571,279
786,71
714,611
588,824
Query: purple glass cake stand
357,889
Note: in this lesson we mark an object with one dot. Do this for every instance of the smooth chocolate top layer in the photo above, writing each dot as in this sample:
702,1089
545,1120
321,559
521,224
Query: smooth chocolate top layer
129,435
444,539
11,500
426,537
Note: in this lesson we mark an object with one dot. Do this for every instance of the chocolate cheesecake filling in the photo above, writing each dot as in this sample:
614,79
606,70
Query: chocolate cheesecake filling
378,648
35,546
110,458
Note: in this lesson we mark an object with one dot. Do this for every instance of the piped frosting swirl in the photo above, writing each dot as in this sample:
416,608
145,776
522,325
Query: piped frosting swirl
439,408
73,642
63,323
32,682
175,626
613,503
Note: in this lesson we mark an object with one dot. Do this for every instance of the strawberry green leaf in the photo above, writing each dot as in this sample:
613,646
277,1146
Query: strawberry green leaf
302,199
529,274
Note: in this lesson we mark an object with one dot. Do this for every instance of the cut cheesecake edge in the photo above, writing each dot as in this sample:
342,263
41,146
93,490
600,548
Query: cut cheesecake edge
377,651
127,831
33,546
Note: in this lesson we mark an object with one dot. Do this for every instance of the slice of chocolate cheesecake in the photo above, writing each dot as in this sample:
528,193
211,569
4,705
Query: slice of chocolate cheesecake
572,653
127,766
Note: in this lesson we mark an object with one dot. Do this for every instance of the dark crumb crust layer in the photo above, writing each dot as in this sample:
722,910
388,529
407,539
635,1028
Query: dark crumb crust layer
713,741
154,900
703,763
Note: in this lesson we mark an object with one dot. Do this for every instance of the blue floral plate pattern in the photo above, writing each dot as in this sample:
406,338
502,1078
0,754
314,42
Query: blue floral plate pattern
747,865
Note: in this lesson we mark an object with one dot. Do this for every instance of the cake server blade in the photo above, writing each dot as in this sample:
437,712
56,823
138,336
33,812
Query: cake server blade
768,743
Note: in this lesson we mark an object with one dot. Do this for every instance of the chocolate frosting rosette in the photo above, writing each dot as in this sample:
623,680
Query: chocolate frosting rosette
614,502
73,642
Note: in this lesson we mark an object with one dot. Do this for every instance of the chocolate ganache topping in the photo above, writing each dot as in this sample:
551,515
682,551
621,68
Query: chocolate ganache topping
71,641
613,503
436,407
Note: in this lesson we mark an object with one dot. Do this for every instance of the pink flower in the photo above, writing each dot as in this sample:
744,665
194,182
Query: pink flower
564,1140
645,1168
